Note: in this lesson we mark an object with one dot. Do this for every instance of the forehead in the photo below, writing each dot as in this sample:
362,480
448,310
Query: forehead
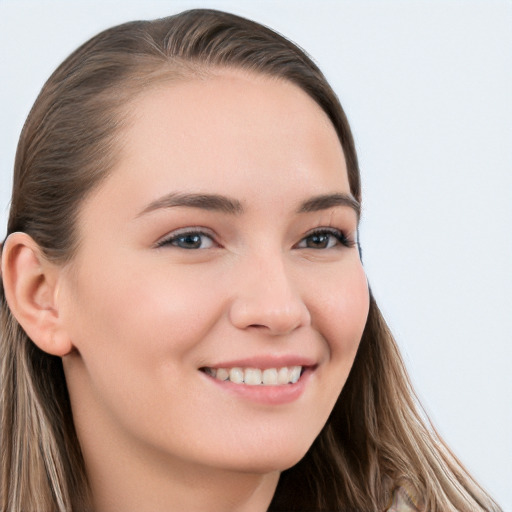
230,117
244,135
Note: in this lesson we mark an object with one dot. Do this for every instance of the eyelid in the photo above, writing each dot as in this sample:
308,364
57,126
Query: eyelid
344,239
189,230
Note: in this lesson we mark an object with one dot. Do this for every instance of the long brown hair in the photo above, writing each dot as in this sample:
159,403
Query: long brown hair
376,437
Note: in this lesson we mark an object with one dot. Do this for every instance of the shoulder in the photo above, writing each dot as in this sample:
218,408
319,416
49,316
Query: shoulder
405,499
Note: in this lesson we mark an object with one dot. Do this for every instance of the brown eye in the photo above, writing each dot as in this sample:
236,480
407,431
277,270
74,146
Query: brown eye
320,241
324,239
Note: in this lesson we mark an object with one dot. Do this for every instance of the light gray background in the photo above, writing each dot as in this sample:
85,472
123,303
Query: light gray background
427,88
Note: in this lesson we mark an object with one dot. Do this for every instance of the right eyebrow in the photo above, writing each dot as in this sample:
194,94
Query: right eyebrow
326,201
212,202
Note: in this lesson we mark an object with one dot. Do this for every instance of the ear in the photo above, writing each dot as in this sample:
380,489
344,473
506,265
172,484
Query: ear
31,289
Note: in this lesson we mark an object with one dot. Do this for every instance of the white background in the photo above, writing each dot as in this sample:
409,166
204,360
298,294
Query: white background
427,86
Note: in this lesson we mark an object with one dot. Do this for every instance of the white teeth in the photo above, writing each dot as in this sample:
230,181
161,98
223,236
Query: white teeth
282,376
252,377
256,377
269,377
222,374
236,375
295,374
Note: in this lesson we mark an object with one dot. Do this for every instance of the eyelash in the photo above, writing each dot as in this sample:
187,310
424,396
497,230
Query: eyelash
174,238
340,237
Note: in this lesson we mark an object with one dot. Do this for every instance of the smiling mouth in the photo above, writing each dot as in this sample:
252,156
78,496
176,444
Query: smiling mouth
255,376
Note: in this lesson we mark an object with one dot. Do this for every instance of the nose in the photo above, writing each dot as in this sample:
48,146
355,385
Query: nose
266,298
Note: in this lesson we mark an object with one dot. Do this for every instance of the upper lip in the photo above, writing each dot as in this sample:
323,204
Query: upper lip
264,362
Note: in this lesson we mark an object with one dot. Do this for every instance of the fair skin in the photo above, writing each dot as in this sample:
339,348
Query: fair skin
144,319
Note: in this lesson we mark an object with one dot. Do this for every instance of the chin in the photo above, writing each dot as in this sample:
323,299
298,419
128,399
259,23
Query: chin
267,458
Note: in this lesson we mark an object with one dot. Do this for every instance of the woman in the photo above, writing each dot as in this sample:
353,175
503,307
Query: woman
186,323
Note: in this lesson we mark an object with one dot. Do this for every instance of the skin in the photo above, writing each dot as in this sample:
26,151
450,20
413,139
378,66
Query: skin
141,318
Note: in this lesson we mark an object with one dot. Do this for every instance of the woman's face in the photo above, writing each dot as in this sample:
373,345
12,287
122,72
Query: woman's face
223,243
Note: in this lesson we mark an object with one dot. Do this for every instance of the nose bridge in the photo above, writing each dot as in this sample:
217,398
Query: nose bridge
267,296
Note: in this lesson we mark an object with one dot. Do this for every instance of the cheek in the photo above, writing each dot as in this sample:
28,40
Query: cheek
342,312
141,314
136,337
176,309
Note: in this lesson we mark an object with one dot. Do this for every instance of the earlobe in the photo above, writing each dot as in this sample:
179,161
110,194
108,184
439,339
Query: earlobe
31,289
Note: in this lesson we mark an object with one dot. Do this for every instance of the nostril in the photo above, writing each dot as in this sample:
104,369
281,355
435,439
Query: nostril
277,310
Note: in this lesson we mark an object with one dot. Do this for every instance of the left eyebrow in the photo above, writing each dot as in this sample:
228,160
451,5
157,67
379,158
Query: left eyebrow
326,201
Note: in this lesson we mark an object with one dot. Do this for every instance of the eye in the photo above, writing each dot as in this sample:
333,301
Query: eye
188,240
324,239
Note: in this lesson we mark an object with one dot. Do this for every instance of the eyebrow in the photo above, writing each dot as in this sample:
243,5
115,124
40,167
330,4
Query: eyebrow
224,204
212,202
324,202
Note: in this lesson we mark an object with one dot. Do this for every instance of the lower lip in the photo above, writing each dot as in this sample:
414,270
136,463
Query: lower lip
268,395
